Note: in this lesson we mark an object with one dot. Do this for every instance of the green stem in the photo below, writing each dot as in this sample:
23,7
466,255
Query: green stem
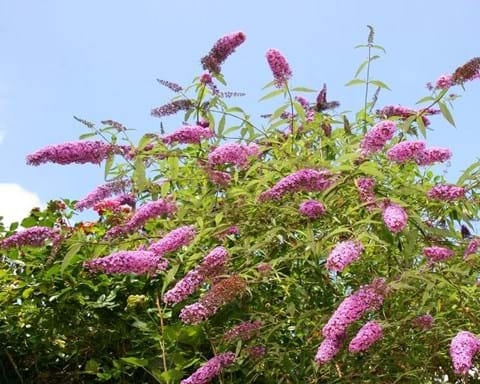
294,131
367,82
162,342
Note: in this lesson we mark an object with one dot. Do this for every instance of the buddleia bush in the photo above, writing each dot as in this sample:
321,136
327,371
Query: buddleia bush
308,245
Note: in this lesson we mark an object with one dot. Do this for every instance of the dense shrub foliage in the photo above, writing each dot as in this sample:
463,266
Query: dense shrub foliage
314,246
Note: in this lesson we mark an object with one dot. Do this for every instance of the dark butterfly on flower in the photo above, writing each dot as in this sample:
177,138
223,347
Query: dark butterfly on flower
322,103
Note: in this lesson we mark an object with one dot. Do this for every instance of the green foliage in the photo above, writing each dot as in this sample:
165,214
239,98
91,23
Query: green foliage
60,323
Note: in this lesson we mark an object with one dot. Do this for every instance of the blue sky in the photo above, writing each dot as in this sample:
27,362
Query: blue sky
99,60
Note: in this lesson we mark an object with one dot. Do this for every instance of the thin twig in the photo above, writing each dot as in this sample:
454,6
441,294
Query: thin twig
162,343
10,358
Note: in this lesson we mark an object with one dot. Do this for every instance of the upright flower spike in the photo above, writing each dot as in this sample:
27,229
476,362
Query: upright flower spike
344,254
367,298
223,48
369,334
279,66
395,218
79,152
463,348
377,137
211,369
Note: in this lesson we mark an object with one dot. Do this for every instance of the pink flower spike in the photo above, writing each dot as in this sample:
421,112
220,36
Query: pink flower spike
312,209
136,262
446,192
279,66
329,347
377,137
435,254
367,298
344,254
395,218
223,48
369,334
188,134
79,152
433,155
306,180
463,348
211,369
173,240
33,237
405,151
472,248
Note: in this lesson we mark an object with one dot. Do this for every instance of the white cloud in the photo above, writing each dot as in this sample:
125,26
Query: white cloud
16,202
2,136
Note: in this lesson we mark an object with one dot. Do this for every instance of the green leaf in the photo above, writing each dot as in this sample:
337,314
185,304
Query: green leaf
171,376
27,292
380,84
139,177
108,165
300,111
87,135
92,366
379,47
272,94
467,173
221,125
303,89
360,68
268,85
278,112
446,113
364,64
425,99
135,361
218,218
144,141
421,126
28,222
371,169
355,82
69,257
408,122
220,78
